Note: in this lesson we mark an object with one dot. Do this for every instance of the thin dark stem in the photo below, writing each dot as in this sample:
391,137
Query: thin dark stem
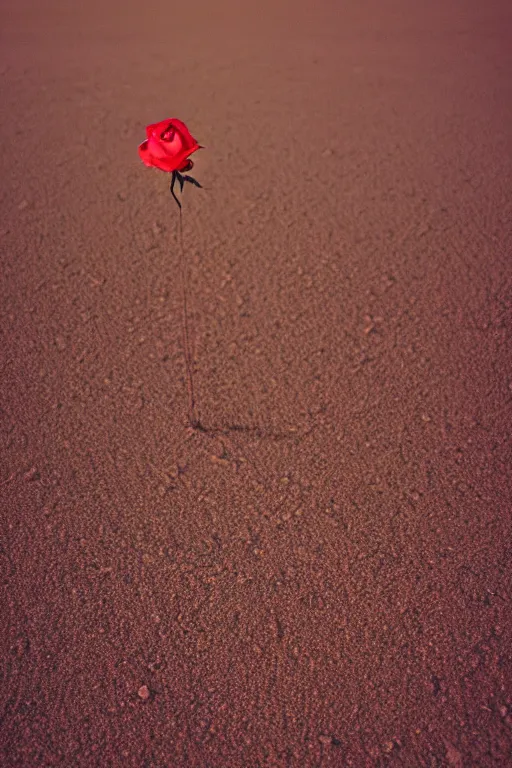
192,415
175,175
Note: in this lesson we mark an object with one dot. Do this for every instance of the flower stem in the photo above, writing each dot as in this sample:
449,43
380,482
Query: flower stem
192,415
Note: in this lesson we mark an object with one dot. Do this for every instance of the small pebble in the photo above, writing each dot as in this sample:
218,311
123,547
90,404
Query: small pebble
144,692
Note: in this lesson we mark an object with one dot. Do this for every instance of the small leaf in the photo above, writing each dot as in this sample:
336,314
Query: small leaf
192,181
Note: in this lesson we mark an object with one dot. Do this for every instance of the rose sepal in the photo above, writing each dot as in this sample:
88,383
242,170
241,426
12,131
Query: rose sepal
181,179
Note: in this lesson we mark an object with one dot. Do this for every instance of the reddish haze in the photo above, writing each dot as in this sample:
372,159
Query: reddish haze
328,584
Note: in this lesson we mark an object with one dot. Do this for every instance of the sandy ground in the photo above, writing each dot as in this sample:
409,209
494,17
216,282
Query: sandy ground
320,577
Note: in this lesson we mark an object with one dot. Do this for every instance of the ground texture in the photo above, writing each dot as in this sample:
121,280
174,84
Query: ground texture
320,577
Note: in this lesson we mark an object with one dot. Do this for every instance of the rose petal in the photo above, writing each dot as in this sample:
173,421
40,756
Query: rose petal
144,154
186,137
159,148
167,164
168,155
157,128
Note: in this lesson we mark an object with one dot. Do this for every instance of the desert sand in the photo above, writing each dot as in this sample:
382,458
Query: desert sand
319,576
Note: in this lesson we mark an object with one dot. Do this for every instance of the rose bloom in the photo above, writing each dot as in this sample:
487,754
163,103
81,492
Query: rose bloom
168,146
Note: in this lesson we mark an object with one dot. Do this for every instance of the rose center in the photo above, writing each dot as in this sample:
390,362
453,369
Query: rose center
168,135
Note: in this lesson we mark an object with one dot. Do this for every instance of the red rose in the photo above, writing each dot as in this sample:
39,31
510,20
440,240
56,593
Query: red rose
168,146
